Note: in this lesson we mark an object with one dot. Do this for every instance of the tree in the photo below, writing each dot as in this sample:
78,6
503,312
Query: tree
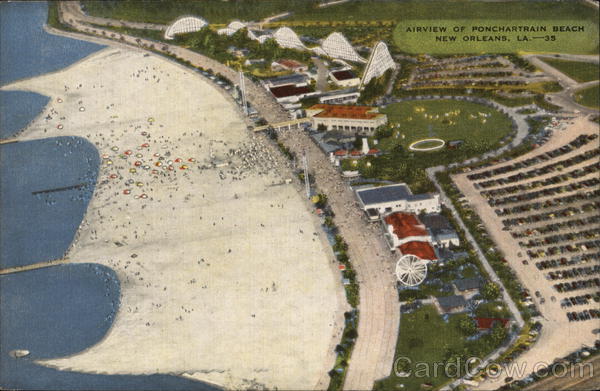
498,334
490,291
467,325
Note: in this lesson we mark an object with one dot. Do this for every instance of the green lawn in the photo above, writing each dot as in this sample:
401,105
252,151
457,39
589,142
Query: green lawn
425,337
589,97
460,36
445,119
215,11
418,9
578,71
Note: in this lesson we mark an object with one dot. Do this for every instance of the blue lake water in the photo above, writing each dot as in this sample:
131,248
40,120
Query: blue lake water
61,310
39,227
17,109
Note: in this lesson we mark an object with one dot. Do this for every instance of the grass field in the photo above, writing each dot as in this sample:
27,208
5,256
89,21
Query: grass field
589,97
424,337
459,36
457,9
576,70
215,11
445,119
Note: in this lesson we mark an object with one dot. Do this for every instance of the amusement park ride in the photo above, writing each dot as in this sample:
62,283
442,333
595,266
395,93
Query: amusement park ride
411,270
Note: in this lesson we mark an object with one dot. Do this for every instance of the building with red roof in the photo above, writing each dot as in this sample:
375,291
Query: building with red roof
402,228
488,323
344,78
291,92
288,65
347,118
423,250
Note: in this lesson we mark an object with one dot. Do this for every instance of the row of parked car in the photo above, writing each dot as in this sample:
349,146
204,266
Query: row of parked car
576,143
561,238
577,285
574,273
574,260
569,248
552,167
556,179
583,315
566,212
550,203
580,300
589,221
546,192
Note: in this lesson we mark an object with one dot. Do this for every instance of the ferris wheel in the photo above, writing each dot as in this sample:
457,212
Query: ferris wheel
411,270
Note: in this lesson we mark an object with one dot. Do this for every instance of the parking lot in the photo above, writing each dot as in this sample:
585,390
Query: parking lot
541,209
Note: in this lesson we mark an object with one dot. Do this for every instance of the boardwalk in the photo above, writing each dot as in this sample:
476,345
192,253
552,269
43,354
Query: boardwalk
379,319
33,266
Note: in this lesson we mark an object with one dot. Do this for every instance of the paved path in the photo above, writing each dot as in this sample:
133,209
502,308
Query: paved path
322,74
379,317
566,97
76,11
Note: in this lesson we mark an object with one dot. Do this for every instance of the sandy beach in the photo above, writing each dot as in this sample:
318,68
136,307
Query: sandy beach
225,275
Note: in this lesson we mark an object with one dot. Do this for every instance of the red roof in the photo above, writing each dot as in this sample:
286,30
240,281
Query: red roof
405,225
422,250
340,152
373,151
289,90
356,152
343,75
345,111
488,323
292,64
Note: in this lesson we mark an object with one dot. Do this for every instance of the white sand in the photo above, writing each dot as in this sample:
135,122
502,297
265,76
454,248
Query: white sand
232,283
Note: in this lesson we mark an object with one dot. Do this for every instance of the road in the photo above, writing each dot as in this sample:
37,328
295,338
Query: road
78,14
322,74
565,98
379,319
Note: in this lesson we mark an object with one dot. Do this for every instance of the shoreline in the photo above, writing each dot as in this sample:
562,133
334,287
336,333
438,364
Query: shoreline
79,246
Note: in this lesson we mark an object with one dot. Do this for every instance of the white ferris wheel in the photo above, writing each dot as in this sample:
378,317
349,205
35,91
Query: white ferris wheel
411,270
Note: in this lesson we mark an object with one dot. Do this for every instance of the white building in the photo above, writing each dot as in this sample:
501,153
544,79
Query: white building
344,78
349,118
382,200
345,96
